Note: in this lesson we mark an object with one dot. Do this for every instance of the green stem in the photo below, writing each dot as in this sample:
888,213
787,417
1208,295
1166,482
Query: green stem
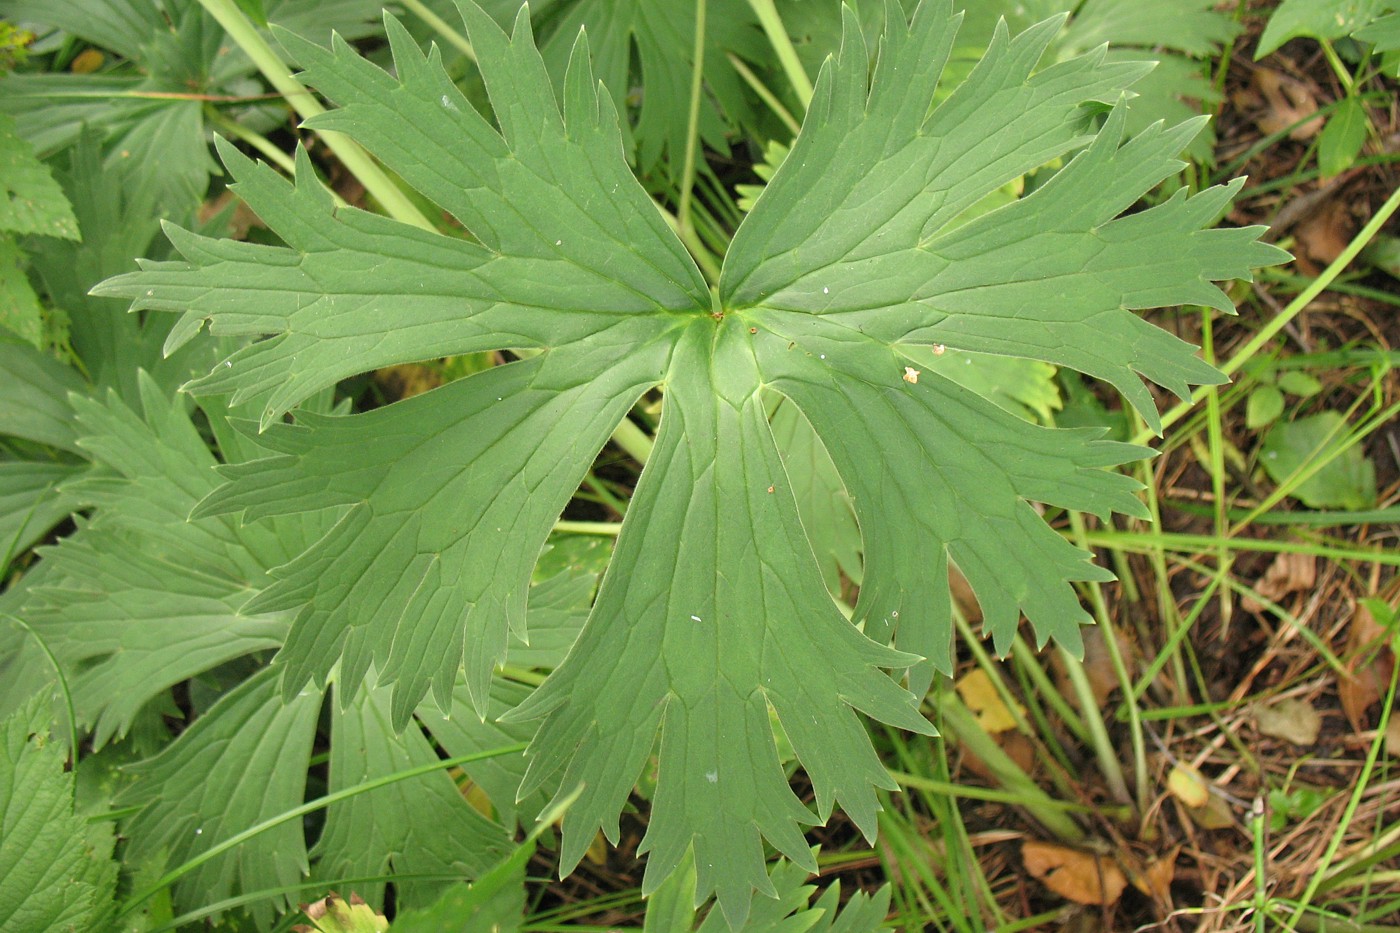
441,26
609,529
764,94
350,153
633,440
310,806
1201,544
778,37
1284,317
969,792
1215,439
692,132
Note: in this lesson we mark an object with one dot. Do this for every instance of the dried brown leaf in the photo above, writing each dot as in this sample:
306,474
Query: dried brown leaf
1289,101
1082,877
1289,573
1368,667
1324,234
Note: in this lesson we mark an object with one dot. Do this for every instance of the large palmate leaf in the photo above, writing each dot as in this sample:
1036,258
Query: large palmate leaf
713,618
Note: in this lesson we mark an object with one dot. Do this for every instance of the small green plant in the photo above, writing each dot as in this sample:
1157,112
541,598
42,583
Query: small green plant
712,618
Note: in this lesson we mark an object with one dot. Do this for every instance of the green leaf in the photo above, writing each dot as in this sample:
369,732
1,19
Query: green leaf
418,826
34,397
20,312
1342,138
1384,36
140,598
31,503
123,26
462,732
1347,480
826,509
30,200
660,39
1296,382
790,913
1026,388
1264,406
712,623
1316,19
672,905
495,903
56,872
240,764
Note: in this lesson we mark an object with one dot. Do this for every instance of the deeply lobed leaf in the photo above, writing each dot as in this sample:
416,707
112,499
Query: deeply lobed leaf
712,624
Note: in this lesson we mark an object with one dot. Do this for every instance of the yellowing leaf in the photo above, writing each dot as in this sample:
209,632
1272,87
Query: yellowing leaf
332,914
1290,719
1186,784
981,696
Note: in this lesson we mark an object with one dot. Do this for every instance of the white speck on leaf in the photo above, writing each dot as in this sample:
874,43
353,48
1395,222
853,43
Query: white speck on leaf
825,290
448,105
911,374
712,777
939,349
696,619
199,832
558,242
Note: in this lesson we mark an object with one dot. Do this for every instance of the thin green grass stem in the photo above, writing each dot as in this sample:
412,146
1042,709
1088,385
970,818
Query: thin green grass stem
991,795
328,884
756,84
990,667
1259,840
1166,603
634,440
242,31
1215,445
1144,542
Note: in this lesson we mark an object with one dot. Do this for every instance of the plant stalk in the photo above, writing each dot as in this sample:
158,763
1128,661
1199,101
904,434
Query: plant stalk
350,153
